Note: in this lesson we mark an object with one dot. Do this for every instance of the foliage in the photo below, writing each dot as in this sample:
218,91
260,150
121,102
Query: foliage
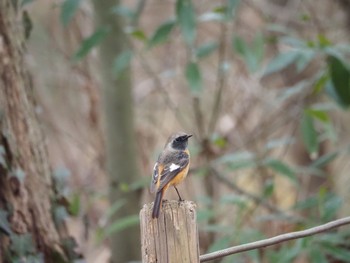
4,224
68,10
90,42
319,94
2,157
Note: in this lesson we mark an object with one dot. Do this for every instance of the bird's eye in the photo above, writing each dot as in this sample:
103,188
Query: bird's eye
178,139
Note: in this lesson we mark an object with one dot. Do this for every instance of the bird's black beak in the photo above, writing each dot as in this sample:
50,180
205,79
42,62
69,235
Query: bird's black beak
189,135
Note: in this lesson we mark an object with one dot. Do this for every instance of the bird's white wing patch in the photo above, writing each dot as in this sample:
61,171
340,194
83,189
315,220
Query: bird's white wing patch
155,172
155,166
173,167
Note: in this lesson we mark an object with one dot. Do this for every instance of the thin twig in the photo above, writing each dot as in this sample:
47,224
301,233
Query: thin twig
198,118
275,240
221,80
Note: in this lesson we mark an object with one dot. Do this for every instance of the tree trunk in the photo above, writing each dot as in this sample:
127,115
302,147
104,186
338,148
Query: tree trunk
121,156
26,187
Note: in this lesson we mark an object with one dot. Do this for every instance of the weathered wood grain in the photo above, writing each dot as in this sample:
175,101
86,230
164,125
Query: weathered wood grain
173,237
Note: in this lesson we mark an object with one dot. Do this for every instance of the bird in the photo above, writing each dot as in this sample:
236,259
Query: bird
170,169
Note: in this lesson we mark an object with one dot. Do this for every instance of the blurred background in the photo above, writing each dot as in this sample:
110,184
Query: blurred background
262,84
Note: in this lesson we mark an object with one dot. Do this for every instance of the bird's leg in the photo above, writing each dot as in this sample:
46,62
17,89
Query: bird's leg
177,191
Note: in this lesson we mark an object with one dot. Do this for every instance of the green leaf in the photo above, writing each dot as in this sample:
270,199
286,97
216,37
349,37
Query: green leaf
309,134
122,62
90,42
340,78
310,202
329,132
324,160
4,223
252,55
2,157
74,205
22,245
36,258
330,207
68,10
139,34
239,45
320,83
220,142
124,11
334,238
26,2
333,51
206,49
122,224
162,33
317,256
186,20
331,92
286,253
194,77
232,6
323,41
60,214
304,59
269,187
281,168
70,245
281,61
318,114
258,46
124,187
342,254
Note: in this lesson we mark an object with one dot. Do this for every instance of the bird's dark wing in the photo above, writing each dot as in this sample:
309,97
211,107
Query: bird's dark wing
172,166
155,178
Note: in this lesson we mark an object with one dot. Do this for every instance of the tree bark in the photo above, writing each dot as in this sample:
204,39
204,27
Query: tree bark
173,237
119,119
26,187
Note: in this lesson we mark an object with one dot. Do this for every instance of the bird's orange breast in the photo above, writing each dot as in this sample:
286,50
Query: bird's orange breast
181,175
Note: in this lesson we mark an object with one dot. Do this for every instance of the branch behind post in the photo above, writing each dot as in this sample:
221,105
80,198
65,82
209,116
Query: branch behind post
173,237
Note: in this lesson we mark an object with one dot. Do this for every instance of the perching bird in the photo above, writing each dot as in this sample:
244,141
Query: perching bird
171,168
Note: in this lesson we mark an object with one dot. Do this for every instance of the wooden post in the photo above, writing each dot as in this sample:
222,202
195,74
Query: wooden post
173,237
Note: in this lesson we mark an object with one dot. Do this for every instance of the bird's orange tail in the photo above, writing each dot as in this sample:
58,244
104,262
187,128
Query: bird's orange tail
157,204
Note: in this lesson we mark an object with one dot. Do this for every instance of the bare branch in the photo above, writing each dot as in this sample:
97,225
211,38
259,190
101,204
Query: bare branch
198,117
221,80
275,240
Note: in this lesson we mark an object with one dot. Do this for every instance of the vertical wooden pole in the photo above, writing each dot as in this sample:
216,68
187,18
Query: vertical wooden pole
173,237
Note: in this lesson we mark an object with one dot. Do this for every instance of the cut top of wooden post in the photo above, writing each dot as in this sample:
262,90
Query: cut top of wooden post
173,237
